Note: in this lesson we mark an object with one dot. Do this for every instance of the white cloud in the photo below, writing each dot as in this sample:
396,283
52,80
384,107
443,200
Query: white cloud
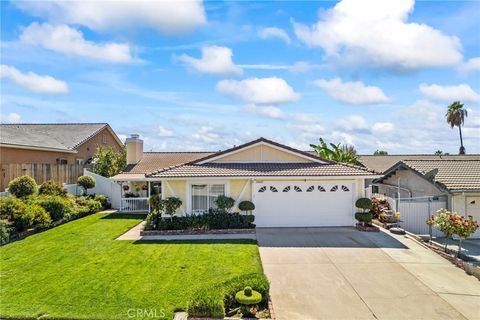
64,39
168,17
352,92
274,32
383,127
265,111
259,90
206,134
472,64
11,117
378,32
214,60
164,132
353,123
33,81
461,92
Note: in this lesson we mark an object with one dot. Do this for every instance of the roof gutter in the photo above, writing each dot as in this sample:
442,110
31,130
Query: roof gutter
19,146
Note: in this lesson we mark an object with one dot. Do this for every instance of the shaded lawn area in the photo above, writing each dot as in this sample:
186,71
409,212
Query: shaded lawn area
78,270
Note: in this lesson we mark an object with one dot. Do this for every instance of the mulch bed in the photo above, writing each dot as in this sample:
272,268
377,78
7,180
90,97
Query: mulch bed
367,228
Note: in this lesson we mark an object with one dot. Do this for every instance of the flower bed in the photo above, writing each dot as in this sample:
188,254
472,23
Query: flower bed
367,227
212,220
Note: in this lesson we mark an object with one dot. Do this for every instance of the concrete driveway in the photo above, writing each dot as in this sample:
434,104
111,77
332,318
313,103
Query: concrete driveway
341,273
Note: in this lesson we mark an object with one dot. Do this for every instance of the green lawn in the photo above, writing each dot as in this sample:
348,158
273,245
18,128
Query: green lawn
79,271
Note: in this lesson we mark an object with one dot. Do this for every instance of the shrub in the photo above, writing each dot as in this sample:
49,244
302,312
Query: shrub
171,205
225,203
363,203
4,231
86,182
156,203
364,217
246,206
87,206
33,215
453,223
56,206
212,301
22,186
10,206
52,188
104,201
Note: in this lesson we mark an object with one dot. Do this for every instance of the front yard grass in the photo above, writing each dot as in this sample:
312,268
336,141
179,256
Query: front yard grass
78,270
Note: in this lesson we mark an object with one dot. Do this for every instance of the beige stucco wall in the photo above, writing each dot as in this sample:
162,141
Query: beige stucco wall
236,187
462,204
179,188
418,186
262,153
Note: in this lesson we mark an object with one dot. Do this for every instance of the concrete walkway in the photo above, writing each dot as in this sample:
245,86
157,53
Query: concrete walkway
341,273
134,234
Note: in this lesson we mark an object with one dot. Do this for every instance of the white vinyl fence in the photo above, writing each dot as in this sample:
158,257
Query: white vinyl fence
415,211
103,186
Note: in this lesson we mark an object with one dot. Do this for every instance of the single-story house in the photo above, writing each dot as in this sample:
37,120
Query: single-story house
289,187
51,150
456,181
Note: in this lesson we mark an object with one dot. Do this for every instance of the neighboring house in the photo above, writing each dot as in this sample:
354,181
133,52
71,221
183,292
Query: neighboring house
289,187
456,181
33,148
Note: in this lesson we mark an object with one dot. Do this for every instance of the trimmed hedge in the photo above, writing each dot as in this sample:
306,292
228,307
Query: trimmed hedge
212,301
52,188
22,186
213,220
56,206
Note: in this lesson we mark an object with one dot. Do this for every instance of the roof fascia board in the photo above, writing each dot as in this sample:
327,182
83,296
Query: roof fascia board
267,177
314,159
19,146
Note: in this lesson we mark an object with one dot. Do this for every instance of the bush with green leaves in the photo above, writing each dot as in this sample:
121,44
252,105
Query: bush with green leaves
86,182
364,204
246,206
104,201
364,217
4,231
52,188
87,206
22,186
225,203
57,207
33,215
171,205
10,206
214,219
212,301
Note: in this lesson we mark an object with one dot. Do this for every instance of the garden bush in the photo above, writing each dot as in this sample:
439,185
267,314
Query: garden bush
52,188
214,219
225,203
246,206
4,231
212,301
10,206
88,206
104,201
56,206
364,203
33,215
22,186
86,182
364,217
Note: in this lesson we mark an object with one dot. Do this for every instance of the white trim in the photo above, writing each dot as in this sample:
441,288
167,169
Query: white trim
237,201
262,143
189,183
19,146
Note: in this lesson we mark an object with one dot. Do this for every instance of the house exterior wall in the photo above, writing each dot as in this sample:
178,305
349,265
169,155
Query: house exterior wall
262,153
179,188
418,186
85,151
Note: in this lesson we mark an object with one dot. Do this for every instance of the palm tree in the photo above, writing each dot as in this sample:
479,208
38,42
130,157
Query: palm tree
456,115
336,152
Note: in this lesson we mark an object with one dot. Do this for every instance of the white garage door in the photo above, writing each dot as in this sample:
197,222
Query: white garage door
301,204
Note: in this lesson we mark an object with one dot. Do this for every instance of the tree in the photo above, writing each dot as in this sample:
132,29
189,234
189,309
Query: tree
336,152
441,153
23,186
380,153
456,114
107,162
86,182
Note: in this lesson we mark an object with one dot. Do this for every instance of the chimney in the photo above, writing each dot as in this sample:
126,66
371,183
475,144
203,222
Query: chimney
134,149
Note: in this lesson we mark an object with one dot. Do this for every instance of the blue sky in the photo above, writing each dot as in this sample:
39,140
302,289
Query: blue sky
206,76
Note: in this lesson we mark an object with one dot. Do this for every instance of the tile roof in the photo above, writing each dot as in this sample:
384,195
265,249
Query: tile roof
306,169
154,161
62,136
382,163
453,175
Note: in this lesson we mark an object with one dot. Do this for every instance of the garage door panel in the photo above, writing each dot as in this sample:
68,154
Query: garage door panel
299,203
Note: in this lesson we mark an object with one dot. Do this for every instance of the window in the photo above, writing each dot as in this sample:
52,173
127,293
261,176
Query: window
345,188
262,189
273,189
62,161
297,189
321,189
374,189
286,189
80,161
104,138
334,188
204,196
310,189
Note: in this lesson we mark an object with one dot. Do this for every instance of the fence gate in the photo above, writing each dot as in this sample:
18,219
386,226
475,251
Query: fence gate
415,211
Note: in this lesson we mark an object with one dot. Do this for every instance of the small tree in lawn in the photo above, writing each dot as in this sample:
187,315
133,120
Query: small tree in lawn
86,182
171,205
365,216
225,203
443,221
157,206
